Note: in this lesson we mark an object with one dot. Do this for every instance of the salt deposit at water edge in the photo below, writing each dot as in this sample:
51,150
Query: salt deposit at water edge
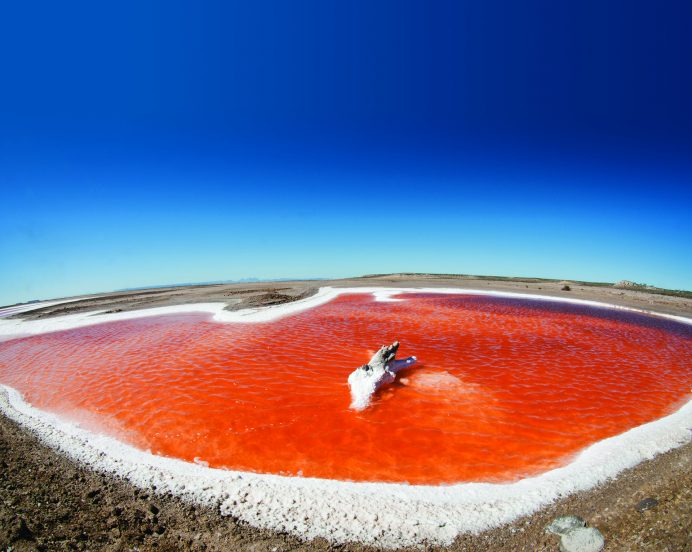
388,515
345,511
505,388
18,327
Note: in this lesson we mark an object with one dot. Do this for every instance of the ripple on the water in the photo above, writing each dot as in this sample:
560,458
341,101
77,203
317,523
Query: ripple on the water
503,388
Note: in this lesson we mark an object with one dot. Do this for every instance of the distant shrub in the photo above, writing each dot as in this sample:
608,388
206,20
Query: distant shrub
566,288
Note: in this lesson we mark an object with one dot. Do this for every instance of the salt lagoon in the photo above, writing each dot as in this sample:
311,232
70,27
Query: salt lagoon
515,400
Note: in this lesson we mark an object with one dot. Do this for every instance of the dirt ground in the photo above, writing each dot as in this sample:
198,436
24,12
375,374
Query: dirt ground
48,502
240,296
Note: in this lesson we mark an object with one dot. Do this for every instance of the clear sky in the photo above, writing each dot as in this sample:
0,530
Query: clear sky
144,143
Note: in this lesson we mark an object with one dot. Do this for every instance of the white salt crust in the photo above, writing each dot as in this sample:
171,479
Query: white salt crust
26,307
383,514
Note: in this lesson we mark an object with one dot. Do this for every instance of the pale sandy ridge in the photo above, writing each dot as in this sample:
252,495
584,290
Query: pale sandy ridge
388,515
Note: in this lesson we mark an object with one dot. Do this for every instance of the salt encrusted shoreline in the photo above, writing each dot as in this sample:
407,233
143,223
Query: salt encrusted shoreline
344,511
13,327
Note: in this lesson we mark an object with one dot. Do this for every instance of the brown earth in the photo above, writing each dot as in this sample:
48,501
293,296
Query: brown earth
244,295
48,502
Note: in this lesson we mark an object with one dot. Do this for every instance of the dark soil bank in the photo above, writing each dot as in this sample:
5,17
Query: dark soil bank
48,502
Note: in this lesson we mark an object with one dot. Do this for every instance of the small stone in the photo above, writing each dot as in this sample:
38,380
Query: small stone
563,524
582,539
21,530
646,504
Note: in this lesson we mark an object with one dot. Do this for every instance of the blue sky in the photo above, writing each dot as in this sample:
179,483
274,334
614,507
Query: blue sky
160,142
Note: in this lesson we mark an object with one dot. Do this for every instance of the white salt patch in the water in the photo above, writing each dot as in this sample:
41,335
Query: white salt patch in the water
440,381
448,385
467,396
340,511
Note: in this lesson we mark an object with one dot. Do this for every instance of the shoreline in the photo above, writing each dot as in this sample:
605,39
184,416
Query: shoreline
309,508
13,327
452,524
242,296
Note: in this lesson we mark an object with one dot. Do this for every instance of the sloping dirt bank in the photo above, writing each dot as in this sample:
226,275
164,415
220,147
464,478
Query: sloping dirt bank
241,296
50,503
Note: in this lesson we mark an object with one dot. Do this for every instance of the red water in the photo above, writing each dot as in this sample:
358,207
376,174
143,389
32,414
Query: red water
504,388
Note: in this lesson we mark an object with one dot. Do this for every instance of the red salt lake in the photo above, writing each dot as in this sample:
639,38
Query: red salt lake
504,388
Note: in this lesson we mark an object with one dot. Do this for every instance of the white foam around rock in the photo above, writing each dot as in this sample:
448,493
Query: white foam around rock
364,384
